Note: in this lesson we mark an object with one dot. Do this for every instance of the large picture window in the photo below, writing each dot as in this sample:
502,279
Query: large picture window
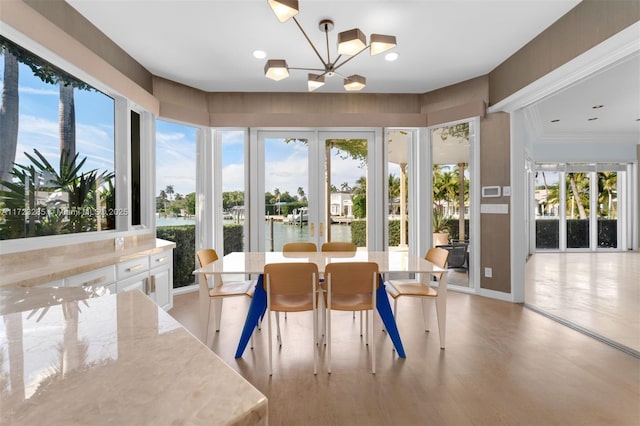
56,150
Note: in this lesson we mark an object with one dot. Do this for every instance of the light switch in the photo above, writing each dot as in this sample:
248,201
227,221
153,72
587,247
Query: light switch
506,191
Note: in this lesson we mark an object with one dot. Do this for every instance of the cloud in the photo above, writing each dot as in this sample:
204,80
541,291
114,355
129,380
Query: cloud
232,137
233,178
34,91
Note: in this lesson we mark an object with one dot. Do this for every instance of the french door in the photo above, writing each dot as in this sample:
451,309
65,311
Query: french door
315,185
582,206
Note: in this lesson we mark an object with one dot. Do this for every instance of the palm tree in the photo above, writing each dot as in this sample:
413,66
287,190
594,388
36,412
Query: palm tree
607,185
394,186
9,113
169,191
163,197
301,193
67,120
579,186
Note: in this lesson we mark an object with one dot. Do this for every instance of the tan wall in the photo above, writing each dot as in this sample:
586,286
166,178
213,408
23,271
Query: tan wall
236,109
583,27
495,229
638,194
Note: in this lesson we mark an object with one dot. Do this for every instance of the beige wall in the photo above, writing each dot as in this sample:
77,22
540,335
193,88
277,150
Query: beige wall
583,27
495,229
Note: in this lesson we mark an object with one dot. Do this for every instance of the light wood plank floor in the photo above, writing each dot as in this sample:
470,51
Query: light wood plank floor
599,292
503,365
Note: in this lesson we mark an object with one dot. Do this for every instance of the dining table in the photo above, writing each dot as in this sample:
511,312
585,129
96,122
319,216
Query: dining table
389,262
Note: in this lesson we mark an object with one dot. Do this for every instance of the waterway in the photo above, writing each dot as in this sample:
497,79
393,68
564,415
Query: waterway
281,233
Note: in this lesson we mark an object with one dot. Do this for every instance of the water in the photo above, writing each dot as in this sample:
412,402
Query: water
281,233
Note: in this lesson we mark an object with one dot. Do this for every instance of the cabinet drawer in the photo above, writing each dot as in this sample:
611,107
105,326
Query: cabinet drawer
160,259
132,267
97,277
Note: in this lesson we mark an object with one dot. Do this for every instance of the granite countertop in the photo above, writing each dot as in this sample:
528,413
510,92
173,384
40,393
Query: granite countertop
58,264
116,359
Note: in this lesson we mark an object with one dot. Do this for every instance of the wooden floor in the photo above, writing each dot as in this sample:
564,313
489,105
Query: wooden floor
598,292
504,365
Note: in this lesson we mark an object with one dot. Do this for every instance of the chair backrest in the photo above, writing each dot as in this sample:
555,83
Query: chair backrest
299,246
291,279
205,257
352,277
338,246
438,256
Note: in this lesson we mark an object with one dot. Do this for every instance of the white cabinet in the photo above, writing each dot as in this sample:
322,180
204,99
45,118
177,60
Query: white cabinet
151,274
161,279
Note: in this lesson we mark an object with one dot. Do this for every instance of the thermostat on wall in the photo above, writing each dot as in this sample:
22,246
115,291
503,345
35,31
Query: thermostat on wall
490,191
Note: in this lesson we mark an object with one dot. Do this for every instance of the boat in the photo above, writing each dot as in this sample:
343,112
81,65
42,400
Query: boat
299,215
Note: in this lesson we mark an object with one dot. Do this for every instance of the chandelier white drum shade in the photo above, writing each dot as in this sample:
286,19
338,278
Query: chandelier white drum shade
351,43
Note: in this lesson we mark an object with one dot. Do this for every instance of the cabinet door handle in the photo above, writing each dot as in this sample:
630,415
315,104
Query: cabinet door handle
135,268
146,286
160,259
94,281
153,284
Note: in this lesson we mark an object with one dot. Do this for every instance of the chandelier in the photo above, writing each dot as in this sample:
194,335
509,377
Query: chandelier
351,43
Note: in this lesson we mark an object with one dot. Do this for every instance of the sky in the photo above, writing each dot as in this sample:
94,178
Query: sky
286,164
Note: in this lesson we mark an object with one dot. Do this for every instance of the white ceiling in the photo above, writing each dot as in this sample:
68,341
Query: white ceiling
208,44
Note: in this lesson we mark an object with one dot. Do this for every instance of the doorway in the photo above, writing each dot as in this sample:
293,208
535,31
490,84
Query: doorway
312,185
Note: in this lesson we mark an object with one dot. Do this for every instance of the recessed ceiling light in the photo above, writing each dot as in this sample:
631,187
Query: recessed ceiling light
592,118
259,54
555,121
391,56
597,106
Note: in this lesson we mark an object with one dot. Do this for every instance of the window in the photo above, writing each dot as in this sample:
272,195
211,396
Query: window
57,142
176,195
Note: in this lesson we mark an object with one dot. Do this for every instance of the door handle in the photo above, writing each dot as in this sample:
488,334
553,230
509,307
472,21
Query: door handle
311,229
321,229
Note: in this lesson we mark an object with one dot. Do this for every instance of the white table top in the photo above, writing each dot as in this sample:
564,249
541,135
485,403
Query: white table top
253,262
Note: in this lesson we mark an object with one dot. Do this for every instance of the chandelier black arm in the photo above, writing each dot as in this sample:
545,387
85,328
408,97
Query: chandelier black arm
310,42
350,58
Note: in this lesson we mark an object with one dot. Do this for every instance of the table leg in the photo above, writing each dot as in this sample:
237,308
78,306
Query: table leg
441,308
257,308
384,309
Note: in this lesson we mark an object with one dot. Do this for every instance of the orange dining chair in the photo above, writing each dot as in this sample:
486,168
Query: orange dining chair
302,246
335,246
351,286
292,287
294,247
218,291
338,246
398,288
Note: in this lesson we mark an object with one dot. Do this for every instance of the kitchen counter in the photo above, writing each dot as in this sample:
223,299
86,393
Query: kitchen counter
45,265
72,358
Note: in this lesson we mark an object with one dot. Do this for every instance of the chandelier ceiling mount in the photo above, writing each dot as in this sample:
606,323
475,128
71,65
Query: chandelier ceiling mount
351,43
